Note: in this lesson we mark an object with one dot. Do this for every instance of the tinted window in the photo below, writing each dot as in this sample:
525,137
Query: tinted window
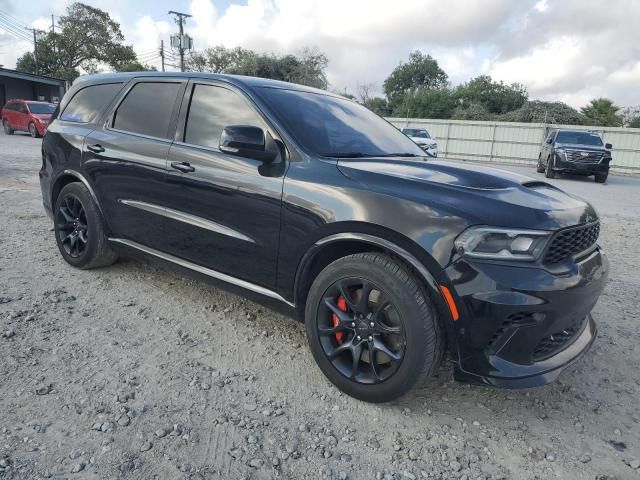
333,126
10,106
416,132
579,138
21,108
147,109
212,109
88,103
41,108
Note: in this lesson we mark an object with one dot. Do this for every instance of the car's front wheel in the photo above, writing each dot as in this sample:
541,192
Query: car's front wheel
7,128
540,166
372,327
79,230
601,177
33,131
549,173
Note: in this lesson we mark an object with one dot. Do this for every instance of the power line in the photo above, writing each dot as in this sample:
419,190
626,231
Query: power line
14,30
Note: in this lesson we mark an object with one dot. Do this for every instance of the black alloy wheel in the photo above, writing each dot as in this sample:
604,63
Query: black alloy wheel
79,230
33,131
72,226
372,327
361,331
549,173
7,128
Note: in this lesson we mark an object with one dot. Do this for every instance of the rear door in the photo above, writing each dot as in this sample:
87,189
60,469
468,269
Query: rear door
225,213
126,158
20,116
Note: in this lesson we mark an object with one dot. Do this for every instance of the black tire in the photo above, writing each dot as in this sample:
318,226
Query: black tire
540,167
76,215
549,173
601,177
7,129
33,131
422,341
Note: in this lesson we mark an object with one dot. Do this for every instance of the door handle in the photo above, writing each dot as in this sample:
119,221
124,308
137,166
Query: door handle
97,148
183,167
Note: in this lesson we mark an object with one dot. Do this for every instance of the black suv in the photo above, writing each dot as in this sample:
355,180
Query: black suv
312,204
579,152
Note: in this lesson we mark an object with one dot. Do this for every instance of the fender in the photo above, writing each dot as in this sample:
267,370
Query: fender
83,179
377,241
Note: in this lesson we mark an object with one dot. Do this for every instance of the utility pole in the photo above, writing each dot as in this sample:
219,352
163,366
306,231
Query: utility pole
182,41
162,53
35,32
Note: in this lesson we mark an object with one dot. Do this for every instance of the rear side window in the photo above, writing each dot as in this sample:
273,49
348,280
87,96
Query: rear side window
87,104
212,109
147,109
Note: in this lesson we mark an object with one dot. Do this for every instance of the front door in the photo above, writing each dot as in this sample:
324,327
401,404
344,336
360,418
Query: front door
223,211
127,159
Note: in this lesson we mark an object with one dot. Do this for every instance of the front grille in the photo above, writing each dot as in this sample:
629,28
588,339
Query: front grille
554,343
571,241
577,156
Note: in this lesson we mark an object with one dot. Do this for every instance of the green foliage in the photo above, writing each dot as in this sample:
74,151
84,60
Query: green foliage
545,112
419,73
135,67
426,103
379,106
473,111
631,117
218,59
88,37
308,68
634,123
494,97
602,111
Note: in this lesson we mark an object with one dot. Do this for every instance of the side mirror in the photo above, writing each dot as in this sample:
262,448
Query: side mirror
608,146
549,141
248,141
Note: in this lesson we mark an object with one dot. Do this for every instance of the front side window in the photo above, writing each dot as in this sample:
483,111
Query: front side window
211,109
333,126
41,108
579,138
416,133
87,104
21,108
147,109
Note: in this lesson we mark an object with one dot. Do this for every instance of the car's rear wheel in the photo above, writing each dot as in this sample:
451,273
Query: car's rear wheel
549,173
601,177
33,131
79,230
372,327
7,128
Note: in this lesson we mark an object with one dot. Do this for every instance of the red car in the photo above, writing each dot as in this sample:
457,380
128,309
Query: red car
27,115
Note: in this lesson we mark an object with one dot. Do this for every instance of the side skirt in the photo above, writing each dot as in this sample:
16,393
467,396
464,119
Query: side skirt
214,274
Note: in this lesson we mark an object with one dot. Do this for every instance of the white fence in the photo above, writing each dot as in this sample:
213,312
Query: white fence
518,143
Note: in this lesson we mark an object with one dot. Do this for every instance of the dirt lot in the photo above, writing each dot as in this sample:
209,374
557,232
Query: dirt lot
131,372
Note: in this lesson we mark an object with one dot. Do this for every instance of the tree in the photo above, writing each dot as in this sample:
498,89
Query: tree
308,68
602,112
217,59
545,112
495,97
379,106
364,91
135,66
426,103
473,111
87,38
420,72
631,117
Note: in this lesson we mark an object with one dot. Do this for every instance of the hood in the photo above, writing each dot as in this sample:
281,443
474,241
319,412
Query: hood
480,195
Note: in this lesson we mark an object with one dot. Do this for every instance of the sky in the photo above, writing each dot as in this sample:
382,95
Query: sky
562,50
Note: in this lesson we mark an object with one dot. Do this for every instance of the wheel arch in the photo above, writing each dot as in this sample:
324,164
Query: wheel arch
70,176
338,245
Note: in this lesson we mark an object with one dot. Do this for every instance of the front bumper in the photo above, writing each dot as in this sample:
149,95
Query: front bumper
430,150
522,325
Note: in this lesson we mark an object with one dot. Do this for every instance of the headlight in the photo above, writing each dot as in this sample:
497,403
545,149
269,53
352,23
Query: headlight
560,151
502,243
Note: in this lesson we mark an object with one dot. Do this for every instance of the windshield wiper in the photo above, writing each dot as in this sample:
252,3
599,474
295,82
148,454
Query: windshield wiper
366,155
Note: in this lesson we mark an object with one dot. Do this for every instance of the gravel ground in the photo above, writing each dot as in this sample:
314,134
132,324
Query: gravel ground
132,372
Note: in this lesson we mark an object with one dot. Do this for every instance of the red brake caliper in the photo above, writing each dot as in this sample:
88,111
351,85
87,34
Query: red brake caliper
342,305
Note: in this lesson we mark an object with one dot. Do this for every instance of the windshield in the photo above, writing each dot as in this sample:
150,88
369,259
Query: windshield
335,127
579,138
41,108
416,132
